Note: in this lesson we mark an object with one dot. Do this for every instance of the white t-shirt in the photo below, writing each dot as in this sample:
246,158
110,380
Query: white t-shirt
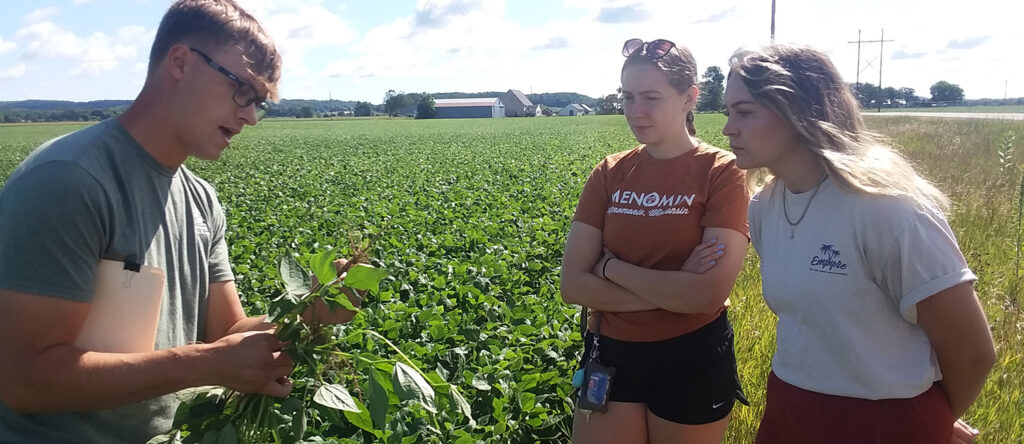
845,288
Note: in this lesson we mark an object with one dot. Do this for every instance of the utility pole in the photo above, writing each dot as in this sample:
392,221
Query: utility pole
858,58
881,44
881,47
1005,85
773,22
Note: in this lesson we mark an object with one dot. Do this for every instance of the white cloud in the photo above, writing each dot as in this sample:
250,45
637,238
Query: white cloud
470,45
455,40
917,56
484,51
46,39
40,15
6,47
299,28
633,13
13,72
95,53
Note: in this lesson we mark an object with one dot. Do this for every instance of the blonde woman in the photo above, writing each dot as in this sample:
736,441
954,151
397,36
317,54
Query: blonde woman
880,336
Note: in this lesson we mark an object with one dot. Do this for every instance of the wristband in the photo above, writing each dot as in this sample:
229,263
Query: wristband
605,267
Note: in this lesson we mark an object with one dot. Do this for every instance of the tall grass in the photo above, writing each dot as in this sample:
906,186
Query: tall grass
968,160
1009,172
1020,222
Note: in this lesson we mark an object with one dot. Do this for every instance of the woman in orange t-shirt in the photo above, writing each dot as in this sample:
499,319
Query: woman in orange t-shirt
655,246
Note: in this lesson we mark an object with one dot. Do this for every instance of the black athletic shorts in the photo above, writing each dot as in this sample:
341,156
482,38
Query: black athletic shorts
689,379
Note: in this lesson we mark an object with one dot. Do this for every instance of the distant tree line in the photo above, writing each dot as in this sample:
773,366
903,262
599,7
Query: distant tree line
712,91
310,108
421,105
400,103
610,104
64,111
59,115
942,93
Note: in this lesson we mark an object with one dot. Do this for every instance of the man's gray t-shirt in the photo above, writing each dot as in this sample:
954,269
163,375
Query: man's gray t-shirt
97,194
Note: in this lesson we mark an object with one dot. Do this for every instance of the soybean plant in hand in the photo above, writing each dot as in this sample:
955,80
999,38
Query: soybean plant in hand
323,371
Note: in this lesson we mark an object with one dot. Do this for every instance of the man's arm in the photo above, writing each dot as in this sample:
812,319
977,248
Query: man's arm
681,291
580,286
225,315
44,372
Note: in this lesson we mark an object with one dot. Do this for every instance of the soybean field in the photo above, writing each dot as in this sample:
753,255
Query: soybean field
469,218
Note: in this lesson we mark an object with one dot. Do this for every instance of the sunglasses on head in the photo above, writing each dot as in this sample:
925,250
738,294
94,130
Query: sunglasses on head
655,49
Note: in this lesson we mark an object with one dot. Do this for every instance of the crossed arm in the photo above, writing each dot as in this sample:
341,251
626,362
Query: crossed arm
632,288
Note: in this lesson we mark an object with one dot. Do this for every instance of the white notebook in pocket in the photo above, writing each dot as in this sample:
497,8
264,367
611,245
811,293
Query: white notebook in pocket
125,309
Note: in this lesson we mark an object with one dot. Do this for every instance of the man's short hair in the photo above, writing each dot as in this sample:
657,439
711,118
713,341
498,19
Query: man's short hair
210,25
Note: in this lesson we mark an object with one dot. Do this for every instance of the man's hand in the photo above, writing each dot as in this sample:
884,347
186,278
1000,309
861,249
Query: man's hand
252,362
321,313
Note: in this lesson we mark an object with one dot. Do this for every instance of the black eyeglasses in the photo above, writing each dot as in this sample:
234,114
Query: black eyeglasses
245,94
655,49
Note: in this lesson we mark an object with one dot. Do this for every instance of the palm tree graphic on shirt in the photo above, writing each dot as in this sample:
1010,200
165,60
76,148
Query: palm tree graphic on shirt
829,251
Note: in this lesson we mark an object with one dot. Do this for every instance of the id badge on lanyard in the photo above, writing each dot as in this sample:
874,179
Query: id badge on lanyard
596,381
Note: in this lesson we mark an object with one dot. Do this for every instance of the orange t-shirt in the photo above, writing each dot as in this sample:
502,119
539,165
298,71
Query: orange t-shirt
652,213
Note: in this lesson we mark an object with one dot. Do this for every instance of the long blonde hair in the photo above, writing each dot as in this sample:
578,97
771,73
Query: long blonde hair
803,87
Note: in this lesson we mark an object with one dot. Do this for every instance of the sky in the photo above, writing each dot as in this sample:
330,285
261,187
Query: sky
83,50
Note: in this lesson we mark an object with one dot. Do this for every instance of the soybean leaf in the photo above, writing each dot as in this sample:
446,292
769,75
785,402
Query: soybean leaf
480,382
282,306
333,296
295,408
410,385
296,280
362,419
323,267
299,423
335,396
527,401
228,435
378,398
173,437
463,406
211,437
290,405
365,277
465,439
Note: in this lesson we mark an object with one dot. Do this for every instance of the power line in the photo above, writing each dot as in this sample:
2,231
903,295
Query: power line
881,47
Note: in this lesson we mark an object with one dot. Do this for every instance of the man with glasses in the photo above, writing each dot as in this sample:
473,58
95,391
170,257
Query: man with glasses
118,193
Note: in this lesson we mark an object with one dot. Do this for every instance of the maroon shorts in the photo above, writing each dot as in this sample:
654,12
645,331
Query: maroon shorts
796,416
